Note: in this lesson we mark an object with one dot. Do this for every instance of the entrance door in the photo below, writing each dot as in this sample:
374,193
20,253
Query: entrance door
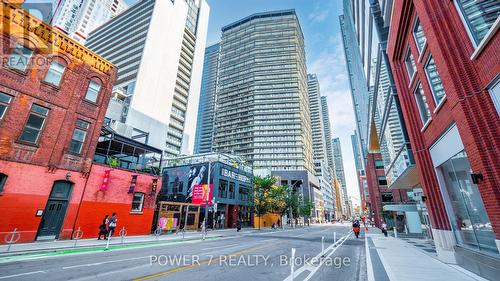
55,211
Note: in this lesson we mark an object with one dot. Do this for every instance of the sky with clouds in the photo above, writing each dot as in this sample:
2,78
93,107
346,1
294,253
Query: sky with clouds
319,20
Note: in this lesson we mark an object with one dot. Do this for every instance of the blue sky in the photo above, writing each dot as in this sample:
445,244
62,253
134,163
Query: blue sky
324,52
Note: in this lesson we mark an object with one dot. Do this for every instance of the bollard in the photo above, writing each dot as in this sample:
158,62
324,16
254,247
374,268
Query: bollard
77,235
395,233
123,233
293,263
14,237
109,238
406,229
157,233
203,232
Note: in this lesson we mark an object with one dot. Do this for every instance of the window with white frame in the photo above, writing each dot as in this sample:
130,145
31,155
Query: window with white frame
479,16
79,135
435,82
54,74
411,67
93,91
137,202
20,57
495,93
4,103
418,34
423,107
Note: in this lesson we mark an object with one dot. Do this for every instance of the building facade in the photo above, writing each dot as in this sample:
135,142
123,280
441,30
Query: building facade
231,181
340,176
206,110
52,105
364,27
77,18
157,91
445,60
262,102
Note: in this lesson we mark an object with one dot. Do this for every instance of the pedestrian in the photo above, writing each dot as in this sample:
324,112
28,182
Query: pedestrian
112,225
279,223
355,228
103,228
238,225
384,229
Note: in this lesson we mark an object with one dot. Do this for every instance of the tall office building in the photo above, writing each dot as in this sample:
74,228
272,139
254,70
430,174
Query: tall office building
340,175
322,169
158,47
327,132
262,100
206,110
78,18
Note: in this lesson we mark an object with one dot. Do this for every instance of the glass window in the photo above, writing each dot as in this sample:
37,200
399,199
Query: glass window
35,123
479,16
3,180
4,103
386,197
434,80
79,135
379,164
20,57
137,202
231,190
93,91
418,34
54,74
410,64
468,216
382,180
423,107
223,188
494,92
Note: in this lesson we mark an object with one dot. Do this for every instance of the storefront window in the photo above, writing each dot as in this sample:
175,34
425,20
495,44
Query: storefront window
468,216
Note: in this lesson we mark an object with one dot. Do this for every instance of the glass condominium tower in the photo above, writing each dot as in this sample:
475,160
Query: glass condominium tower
206,111
262,99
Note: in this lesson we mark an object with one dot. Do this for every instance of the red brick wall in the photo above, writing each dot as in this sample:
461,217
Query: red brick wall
27,190
468,103
96,204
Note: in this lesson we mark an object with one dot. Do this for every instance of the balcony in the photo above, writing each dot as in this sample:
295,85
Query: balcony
123,153
403,174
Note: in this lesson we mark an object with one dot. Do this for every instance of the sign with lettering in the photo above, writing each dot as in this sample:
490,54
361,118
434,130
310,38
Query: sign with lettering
202,194
233,175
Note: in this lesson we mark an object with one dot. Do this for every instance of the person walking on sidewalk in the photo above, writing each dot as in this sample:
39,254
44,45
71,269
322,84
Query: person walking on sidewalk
384,228
355,228
103,228
112,225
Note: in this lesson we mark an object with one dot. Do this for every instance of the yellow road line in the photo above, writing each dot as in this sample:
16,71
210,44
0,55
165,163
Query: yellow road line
183,268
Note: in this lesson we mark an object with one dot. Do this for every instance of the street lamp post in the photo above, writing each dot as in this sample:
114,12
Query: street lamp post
206,199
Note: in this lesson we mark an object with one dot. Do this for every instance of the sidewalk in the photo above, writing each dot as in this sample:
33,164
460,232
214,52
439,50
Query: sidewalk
393,259
40,246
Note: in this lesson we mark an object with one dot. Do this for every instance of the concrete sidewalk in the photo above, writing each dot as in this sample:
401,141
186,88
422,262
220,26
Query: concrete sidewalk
394,259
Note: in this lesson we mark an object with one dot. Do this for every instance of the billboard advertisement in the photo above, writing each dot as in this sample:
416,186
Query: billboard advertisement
179,182
202,194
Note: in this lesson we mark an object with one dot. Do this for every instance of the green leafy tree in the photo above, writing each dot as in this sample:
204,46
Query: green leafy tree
261,189
306,209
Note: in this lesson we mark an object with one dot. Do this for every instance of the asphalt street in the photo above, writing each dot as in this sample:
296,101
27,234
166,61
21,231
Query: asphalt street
239,256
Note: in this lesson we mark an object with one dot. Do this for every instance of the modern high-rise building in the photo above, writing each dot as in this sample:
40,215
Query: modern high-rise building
78,18
158,47
206,110
327,131
382,137
322,169
262,99
340,176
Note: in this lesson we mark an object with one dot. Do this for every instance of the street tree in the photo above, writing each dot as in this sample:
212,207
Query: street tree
261,189
306,209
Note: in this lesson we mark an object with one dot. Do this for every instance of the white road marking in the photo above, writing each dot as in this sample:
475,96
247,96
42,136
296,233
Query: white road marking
369,266
21,274
104,262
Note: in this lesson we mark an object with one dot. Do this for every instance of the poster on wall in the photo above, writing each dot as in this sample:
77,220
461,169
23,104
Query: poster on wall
178,182
202,194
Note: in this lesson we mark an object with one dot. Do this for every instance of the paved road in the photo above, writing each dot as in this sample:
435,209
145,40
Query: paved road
235,256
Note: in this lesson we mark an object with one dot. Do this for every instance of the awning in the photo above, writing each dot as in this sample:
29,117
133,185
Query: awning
407,180
400,207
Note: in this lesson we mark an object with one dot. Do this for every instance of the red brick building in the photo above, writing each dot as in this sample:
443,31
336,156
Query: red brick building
445,57
53,99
